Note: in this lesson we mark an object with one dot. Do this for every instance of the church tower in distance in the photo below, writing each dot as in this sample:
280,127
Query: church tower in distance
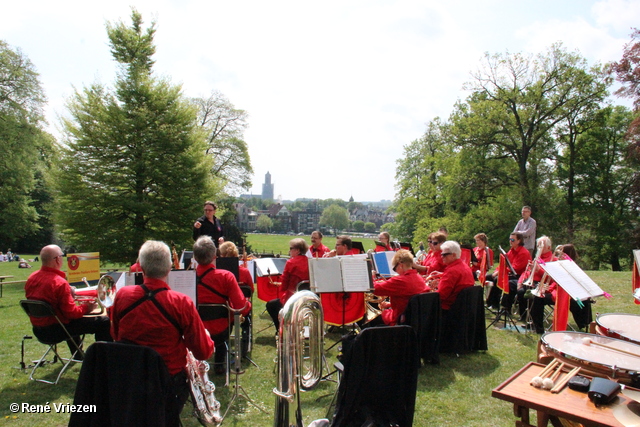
267,188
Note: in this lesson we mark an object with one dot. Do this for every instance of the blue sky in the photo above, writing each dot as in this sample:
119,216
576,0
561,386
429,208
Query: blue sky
333,89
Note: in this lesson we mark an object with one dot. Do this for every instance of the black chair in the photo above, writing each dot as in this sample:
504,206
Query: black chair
247,325
380,378
128,384
463,327
423,315
40,309
215,312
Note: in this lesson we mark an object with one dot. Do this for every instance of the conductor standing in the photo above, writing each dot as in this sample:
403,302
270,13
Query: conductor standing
209,225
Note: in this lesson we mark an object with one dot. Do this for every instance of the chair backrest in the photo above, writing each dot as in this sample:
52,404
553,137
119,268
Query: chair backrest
35,308
463,328
380,378
246,290
128,384
423,315
213,311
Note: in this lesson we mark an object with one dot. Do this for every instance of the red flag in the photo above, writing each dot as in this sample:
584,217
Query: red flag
635,280
503,275
342,308
561,311
482,277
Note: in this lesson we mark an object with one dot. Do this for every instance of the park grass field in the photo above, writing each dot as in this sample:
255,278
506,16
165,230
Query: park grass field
457,392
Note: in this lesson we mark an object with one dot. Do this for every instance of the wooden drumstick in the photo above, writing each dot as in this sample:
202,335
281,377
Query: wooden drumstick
547,383
537,380
558,388
588,341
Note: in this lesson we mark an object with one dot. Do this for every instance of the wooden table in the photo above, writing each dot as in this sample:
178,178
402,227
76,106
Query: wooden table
568,404
2,280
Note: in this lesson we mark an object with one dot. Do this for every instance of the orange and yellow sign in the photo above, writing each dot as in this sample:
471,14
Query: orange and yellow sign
83,265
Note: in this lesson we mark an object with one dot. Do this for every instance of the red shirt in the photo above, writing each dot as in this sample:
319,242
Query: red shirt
224,282
480,254
295,271
319,251
399,289
455,278
49,285
135,268
519,258
146,325
386,248
245,277
433,262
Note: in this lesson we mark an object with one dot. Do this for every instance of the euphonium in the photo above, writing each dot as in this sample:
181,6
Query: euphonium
302,310
206,407
372,312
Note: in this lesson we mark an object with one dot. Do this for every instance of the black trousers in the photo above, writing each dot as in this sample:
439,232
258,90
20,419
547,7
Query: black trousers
100,326
181,390
273,308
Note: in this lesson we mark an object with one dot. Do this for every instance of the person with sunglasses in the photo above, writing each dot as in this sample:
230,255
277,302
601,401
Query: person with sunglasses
209,225
457,275
398,288
432,264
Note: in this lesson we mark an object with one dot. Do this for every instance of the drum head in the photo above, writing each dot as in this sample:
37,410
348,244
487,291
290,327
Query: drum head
619,325
571,346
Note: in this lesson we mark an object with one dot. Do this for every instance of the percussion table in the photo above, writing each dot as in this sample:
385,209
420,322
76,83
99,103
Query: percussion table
567,404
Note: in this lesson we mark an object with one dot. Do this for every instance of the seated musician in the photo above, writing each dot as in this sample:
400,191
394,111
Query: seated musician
456,276
344,246
543,254
399,288
135,267
432,264
519,257
384,243
230,250
49,284
217,286
295,271
482,252
151,314
317,249
582,315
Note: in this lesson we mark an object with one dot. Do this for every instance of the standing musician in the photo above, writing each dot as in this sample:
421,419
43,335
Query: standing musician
519,257
482,252
398,288
217,286
295,271
543,254
50,285
456,276
209,225
151,314
317,249
384,243
344,246
230,250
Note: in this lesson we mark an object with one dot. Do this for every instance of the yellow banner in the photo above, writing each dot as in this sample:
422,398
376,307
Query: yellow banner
83,265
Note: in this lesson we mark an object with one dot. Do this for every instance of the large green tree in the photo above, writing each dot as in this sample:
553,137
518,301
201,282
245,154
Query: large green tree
26,149
134,164
336,217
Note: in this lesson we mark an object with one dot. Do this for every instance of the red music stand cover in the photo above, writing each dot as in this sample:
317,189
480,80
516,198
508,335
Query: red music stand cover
267,291
342,308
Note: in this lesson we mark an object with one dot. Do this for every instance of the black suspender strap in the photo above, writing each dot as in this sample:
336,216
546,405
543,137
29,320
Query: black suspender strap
199,279
150,296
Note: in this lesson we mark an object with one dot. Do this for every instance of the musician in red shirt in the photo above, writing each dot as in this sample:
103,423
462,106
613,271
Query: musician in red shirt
482,252
384,243
344,246
399,288
317,249
295,271
432,262
519,258
456,276
230,250
49,284
151,314
217,286
543,254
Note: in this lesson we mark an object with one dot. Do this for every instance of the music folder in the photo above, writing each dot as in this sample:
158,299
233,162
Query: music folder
269,266
382,263
351,273
572,279
231,264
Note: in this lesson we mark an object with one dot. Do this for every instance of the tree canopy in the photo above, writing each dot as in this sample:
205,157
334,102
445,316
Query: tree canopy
336,217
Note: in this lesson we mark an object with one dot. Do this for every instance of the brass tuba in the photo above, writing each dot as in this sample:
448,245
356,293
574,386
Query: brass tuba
206,407
302,311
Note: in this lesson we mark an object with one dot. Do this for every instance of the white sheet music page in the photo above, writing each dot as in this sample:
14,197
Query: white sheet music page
184,281
355,274
636,256
266,267
325,275
573,280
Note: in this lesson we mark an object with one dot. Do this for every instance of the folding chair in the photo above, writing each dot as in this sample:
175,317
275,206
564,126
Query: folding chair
215,312
39,309
247,325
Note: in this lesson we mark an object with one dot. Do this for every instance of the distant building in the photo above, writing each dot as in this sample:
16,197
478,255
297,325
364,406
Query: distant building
267,188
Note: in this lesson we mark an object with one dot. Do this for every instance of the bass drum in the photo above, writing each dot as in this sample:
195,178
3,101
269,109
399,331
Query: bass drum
593,359
618,325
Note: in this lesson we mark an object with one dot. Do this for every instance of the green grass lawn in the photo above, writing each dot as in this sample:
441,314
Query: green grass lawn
457,392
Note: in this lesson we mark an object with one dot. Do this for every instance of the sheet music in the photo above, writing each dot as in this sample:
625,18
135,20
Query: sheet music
126,279
267,264
355,274
184,281
572,279
325,275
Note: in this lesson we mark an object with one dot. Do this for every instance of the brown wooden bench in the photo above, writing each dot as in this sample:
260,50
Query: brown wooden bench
10,283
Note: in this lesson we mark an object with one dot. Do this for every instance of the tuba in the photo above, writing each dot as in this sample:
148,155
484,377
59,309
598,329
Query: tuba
206,407
301,312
